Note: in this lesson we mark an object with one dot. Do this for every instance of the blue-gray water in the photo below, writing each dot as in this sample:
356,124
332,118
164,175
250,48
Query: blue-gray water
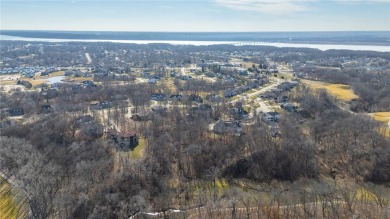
366,41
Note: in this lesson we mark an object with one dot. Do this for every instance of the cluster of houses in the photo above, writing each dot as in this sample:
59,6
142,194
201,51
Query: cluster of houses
271,119
277,95
234,126
244,88
176,97
77,73
28,72
12,112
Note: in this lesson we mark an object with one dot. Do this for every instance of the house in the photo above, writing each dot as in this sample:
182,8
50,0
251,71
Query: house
270,117
184,77
88,83
124,140
243,88
282,99
288,85
44,74
238,113
289,107
159,110
86,119
78,74
195,98
158,97
210,74
68,73
101,105
243,72
46,108
276,91
214,98
175,97
227,127
15,112
268,95
230,93
152,80
140,118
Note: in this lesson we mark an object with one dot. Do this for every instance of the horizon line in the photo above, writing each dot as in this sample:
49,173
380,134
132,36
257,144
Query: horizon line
150,31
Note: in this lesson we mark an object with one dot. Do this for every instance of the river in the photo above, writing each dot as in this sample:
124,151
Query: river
322,47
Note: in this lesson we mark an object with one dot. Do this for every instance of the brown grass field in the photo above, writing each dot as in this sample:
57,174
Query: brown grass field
382,116
340,91
10,207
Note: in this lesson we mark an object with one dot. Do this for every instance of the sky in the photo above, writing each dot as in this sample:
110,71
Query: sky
196,15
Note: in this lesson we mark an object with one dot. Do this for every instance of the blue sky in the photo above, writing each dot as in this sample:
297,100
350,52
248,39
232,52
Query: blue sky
201,15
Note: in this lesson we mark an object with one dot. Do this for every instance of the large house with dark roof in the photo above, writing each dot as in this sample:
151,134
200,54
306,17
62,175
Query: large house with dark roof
124,140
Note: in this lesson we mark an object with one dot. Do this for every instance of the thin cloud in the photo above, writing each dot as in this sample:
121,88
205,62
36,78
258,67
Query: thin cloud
266,6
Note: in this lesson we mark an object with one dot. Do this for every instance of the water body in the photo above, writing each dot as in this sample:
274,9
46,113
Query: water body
369,41
320,37
56,79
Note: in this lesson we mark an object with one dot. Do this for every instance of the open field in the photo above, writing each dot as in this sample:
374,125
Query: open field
37,80
9,207
341,91
247,65
170,85
9,79
139,150
54,74
382,116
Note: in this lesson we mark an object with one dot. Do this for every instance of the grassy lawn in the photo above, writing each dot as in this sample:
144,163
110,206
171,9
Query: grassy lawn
7,82
341,91
247,108
286,76
235,98
9,208
251,91
42,79
170,85
37,82
138,151
247,65
382,117
365,195
221,185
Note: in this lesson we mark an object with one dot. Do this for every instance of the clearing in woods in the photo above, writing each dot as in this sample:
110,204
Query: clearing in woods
10,206
382,117
340,91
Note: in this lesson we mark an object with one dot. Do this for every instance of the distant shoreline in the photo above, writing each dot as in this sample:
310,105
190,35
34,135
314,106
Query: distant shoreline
320,46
